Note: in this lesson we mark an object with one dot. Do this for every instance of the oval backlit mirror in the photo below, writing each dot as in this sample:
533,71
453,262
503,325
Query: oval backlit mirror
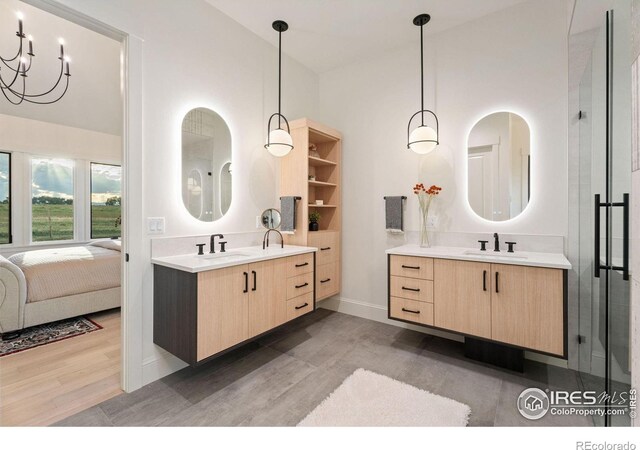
499,166
206,151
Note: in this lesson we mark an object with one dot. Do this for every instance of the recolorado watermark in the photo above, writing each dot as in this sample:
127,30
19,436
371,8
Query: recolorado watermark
534,404
588,445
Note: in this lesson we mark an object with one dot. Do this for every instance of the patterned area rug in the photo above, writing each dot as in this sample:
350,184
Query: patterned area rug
48,333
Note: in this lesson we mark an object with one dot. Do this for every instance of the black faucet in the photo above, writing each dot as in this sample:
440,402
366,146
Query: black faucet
496,242
265,240
212,243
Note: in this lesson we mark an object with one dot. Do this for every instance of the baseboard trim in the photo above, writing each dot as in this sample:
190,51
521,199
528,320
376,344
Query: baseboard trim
159,366
379,314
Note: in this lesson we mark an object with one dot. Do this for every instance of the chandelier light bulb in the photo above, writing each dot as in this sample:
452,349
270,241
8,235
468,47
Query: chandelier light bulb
19,15
61,41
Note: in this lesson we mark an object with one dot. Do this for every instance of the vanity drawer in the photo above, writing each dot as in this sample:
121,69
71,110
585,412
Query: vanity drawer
327,243
302,284
299,305
412,267
412,288
404,309
327,280
300,264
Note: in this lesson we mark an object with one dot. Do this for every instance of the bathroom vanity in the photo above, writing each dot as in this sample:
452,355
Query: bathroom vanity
518,299
205,305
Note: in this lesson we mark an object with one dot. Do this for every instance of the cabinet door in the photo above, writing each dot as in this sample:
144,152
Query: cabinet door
462,297
222,309
267,295
527,306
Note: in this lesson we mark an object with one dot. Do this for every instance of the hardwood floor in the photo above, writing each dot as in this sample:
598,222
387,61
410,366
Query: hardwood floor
46,384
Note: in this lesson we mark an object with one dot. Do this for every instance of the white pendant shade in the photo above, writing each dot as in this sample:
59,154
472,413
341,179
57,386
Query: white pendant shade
279,143
423,140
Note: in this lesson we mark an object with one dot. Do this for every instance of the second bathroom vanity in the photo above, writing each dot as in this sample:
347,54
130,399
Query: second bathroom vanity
207,304
515,299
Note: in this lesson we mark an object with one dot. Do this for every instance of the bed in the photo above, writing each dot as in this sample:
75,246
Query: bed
41,286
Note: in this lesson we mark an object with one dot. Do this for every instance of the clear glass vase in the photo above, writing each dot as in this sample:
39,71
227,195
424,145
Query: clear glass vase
424,233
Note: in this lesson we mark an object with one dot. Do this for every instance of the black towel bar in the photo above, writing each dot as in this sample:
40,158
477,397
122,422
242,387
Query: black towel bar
403,197
297,198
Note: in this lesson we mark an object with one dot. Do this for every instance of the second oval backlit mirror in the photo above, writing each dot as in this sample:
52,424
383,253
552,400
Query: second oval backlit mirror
499,166
206,164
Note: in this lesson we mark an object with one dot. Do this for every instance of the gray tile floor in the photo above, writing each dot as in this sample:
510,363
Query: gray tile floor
279,379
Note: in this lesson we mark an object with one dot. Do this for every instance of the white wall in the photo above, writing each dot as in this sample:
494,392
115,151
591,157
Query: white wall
49,139
196,56
513,60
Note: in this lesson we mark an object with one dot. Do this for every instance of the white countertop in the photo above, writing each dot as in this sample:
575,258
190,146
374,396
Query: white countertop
549,260
209,261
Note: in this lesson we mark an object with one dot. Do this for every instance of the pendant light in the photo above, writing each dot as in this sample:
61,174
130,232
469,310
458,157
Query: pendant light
423,139
279,142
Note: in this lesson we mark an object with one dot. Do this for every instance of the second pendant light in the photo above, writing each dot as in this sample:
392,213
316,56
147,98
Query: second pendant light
279,142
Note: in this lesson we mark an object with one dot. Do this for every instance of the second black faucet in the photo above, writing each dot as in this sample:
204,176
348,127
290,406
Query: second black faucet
212,243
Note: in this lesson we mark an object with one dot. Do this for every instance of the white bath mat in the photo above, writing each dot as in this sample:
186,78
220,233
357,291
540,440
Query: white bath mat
367,399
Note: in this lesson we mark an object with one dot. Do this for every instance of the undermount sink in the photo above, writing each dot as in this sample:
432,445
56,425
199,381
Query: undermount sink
491,255
225,256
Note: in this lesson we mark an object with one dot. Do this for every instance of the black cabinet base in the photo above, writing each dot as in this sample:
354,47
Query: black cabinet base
496,354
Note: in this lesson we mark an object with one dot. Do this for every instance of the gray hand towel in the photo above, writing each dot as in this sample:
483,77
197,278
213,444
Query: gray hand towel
394,216
288,212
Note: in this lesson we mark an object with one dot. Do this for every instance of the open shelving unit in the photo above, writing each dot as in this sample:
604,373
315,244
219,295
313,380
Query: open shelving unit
323,164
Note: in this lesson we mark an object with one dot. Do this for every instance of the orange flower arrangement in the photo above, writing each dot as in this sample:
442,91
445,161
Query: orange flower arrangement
425,196
433,190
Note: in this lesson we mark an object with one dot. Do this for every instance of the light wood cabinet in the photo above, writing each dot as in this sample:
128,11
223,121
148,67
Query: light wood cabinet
199,315
324,165
222,309
267,295
461,298
517,305
527,307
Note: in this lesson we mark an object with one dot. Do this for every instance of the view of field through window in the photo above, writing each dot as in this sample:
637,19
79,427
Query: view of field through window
51,199
106,198
5,229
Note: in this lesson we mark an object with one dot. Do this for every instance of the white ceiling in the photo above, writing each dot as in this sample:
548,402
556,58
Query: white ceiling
93,101
325,34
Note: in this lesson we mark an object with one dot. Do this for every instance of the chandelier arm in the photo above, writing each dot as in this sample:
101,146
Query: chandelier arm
8,87
50,90
51,101
18,55
21,97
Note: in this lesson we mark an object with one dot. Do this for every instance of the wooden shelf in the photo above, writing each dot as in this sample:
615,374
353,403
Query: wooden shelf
321,184
318,155
313,161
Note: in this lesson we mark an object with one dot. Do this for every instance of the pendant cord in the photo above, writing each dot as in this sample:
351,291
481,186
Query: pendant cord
279,77
422,75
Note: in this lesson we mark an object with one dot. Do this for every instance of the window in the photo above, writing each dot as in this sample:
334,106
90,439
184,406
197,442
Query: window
106,197
5,198
51,199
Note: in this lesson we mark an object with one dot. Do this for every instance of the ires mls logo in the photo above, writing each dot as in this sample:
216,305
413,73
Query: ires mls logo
533,403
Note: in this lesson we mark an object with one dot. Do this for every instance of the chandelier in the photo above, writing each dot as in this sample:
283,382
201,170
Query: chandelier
13,82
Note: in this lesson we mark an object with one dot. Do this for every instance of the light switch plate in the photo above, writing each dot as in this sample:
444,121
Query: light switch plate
432,221
155,225
258,222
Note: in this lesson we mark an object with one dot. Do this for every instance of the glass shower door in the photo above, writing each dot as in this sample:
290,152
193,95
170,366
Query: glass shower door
605,183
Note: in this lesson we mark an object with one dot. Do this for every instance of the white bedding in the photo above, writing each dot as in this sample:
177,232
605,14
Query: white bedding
61,272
